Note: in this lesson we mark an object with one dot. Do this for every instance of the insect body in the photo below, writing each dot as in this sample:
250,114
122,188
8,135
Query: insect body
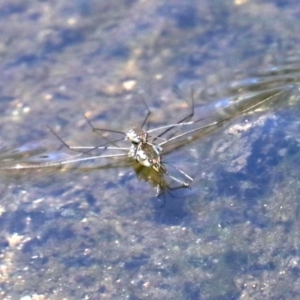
143,147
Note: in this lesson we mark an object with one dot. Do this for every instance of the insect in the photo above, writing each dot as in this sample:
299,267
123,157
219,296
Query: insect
143,148
147,148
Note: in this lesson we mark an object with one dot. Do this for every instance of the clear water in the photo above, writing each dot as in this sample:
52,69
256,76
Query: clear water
101,233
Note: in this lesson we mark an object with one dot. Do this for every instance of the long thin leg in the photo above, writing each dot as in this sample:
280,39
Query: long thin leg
118,131
180,171
162,190
190,131
219,122
148,114
169,127
88,148
102,129
72,159
185,119
108,130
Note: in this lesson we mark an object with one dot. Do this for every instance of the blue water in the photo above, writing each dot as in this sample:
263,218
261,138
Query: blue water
102,232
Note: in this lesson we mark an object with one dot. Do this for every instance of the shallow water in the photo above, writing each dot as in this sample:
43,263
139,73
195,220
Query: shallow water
102,234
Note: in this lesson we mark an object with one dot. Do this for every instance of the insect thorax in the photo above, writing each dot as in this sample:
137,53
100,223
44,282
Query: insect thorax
137,135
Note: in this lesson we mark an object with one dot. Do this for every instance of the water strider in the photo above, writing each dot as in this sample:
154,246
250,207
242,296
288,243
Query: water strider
144,148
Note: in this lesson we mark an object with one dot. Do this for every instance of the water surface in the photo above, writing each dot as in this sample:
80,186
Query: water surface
102,233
